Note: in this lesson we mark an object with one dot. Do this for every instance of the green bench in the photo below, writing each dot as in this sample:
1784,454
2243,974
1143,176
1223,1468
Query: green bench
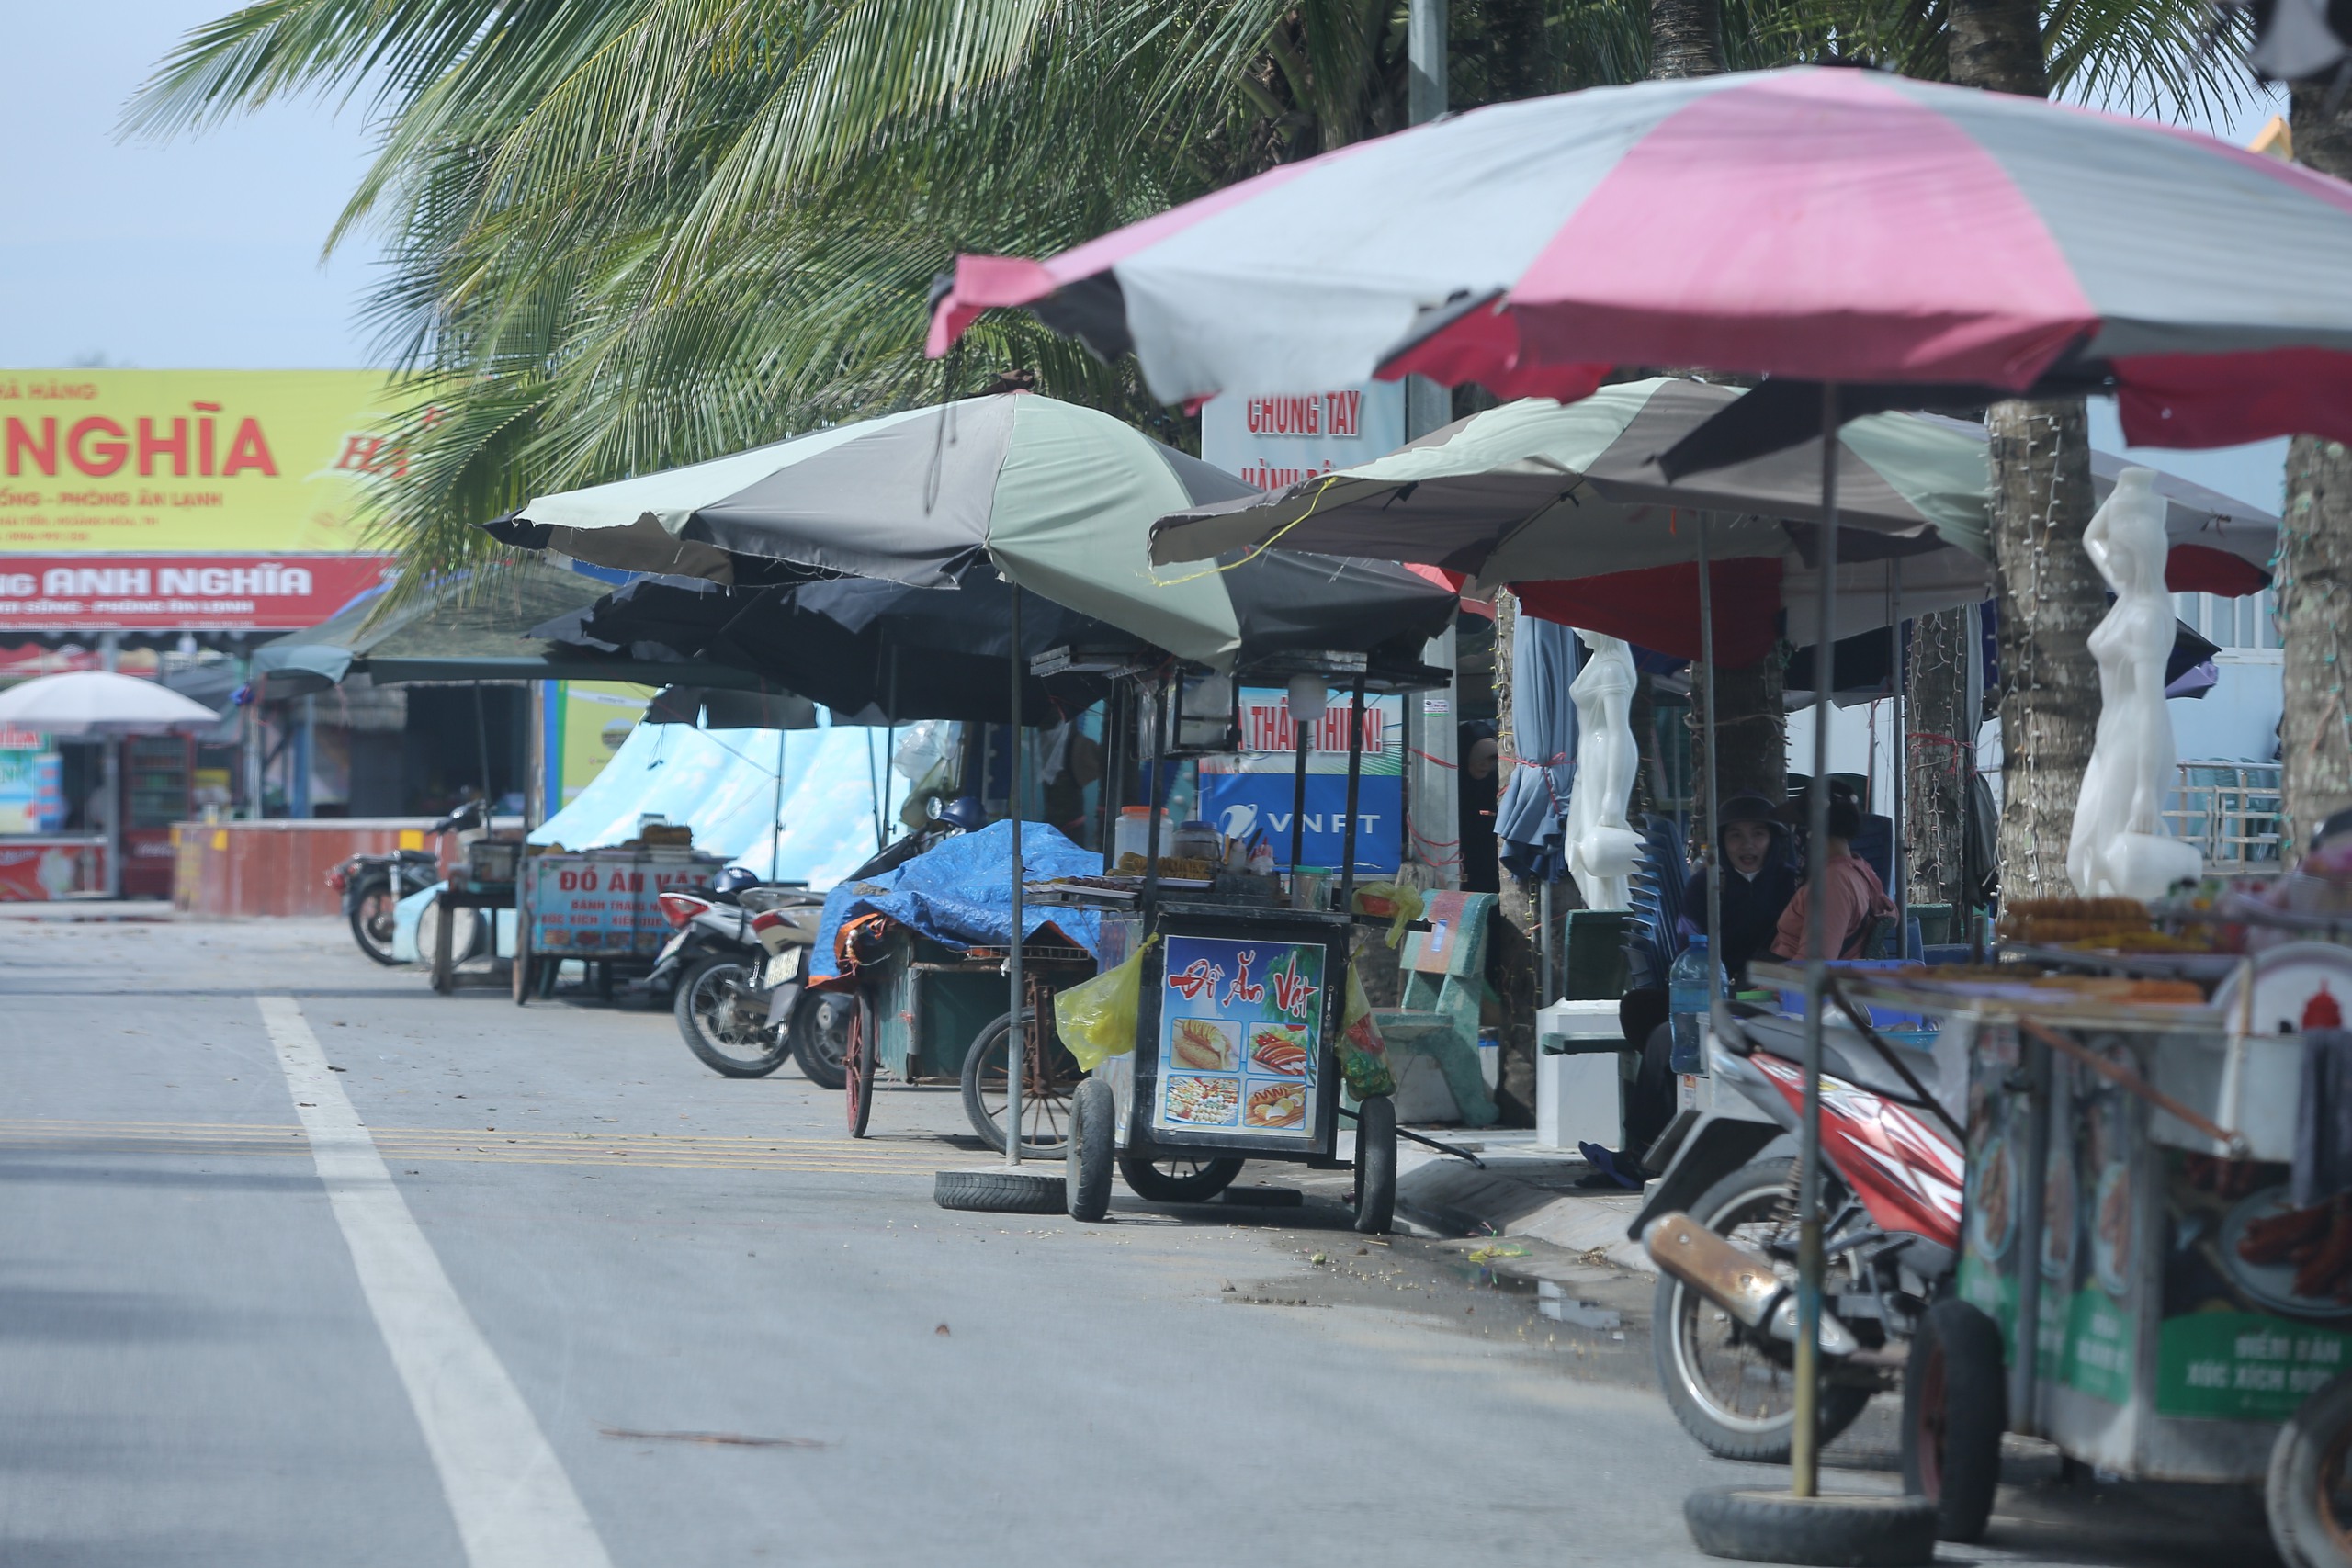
1445,983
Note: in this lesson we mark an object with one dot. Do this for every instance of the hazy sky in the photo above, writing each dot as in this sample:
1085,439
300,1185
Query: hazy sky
205,251
199,252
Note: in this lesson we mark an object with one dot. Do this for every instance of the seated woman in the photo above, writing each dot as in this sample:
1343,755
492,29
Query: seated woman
1852,897
1761,877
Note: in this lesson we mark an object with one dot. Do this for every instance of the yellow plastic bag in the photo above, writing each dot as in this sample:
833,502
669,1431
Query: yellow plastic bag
1096,1018
1390,899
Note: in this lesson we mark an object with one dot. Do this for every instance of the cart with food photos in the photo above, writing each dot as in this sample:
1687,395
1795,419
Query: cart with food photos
2153,1276
1242,1034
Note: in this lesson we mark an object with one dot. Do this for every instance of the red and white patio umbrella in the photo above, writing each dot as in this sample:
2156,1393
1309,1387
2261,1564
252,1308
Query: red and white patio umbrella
1823,224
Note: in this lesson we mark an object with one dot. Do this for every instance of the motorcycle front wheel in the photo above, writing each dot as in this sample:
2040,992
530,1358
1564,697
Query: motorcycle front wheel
724,1022
1733,1390
372,915
820,1037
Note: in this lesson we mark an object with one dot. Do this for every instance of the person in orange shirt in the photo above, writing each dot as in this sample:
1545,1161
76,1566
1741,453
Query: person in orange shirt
1853,899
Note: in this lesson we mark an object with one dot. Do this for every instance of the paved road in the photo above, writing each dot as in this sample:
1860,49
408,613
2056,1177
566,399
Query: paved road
301,1265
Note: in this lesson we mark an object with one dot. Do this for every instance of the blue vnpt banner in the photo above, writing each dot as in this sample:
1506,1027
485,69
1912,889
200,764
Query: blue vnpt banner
1252,794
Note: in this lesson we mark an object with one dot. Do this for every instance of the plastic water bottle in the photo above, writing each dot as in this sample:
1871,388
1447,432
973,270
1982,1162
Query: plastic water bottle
1686,998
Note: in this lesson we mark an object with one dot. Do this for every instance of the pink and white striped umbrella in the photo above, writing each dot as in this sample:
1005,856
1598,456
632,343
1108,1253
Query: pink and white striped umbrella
1820,224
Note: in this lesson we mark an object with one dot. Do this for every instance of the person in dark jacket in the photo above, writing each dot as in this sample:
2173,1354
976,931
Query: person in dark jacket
1760,879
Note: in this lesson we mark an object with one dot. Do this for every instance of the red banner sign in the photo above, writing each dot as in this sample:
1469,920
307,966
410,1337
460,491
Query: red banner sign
105,593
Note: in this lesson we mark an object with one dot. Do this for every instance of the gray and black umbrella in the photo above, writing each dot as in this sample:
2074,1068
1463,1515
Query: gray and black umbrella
1058,498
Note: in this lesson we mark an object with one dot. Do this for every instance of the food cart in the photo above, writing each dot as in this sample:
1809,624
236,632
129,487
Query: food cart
1242,985
601,906
2129,1197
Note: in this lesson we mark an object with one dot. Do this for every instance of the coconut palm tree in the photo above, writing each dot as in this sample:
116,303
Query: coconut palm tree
2314,587
640,232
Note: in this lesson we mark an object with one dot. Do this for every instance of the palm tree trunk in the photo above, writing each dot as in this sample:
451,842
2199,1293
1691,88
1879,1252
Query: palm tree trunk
1686,39
2314,575
2050,596
1751,734
1997,45
1943,733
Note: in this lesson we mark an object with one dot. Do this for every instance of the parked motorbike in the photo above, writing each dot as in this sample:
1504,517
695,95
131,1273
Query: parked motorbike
739,963
373,885
1721,1226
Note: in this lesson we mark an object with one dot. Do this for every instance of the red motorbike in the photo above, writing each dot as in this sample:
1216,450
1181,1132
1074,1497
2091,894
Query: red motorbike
1721,1226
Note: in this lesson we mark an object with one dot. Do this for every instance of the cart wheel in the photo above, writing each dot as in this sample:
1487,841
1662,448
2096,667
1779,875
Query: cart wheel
1179,1179
1376,1164
1093,1122
857,1067
1955,1406
1045,1091
2308,1491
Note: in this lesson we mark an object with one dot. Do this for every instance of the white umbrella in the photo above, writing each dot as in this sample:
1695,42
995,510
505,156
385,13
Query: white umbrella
100,703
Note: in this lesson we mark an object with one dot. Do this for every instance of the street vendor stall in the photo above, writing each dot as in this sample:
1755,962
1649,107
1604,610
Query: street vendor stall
1234,1028
1056,498
2163,1274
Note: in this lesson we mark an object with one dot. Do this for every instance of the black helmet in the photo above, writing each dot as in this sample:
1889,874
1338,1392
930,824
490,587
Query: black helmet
963,813
734,879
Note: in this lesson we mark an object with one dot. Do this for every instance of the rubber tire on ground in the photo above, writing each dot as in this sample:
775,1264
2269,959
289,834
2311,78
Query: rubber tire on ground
988,1047
1007,1191
1153,1185
857,1071
1954,1376
814,1017
2306,1531
690,1026
1376,1164
1841,1530
1094,1123
375,887
1840,1405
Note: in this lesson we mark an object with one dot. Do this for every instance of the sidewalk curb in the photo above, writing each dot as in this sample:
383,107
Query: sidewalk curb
1453,1197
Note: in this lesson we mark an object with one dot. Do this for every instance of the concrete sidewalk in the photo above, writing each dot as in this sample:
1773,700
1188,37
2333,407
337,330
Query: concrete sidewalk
1526,1192
69,909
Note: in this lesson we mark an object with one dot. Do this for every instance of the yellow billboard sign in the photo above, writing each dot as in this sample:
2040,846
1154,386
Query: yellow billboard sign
190,461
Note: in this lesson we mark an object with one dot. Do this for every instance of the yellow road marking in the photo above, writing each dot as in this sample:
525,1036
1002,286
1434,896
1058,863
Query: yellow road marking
657,1151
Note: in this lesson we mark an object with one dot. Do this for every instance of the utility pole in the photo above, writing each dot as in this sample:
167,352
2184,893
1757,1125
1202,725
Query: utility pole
1432,815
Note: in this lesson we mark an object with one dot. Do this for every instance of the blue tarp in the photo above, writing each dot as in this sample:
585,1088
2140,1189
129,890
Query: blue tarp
961,892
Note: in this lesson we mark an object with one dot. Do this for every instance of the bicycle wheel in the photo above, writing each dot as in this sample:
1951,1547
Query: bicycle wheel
1045,1089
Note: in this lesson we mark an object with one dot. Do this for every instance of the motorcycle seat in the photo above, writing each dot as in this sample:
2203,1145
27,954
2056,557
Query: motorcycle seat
1844,1055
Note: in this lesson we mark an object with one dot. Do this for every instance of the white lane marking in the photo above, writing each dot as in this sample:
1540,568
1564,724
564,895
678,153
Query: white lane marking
514,1505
